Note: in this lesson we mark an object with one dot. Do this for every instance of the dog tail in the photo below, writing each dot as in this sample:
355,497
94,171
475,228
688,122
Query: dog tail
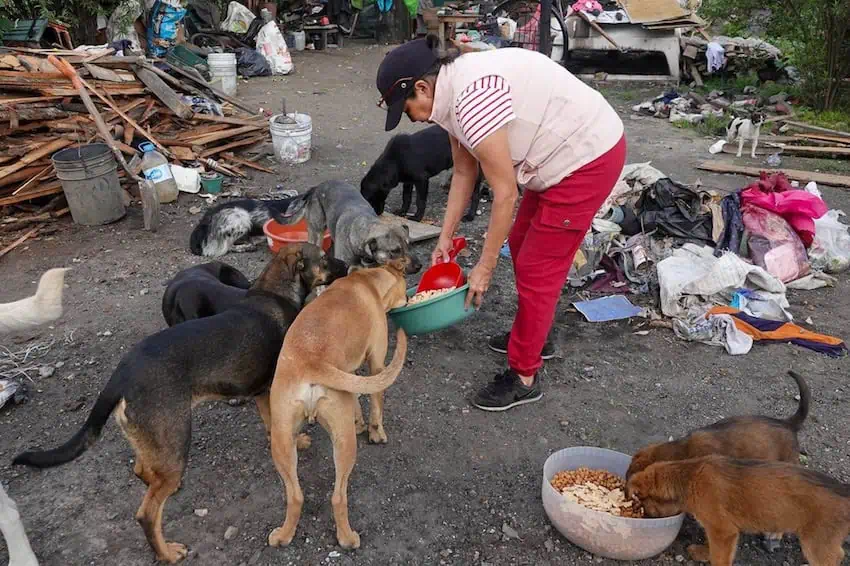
85,437
796,421
344,381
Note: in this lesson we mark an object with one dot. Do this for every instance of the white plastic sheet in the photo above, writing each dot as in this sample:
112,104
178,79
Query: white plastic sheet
830,250
692,276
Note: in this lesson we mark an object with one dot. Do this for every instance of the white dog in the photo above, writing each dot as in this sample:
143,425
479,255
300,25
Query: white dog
29,313
42,308
744,129
20,552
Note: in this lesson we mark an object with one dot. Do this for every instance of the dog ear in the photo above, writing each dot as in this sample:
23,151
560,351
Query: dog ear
406,229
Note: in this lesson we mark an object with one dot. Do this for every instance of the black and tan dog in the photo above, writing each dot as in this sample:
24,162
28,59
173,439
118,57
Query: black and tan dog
729,496
203,290
155,386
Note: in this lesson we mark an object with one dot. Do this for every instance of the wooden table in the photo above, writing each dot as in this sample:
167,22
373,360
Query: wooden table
446,32
326,31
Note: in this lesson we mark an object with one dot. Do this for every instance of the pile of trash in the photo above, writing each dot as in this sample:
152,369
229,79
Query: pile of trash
719,265
737,56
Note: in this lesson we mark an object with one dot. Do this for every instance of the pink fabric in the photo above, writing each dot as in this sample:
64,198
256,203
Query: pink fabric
797,207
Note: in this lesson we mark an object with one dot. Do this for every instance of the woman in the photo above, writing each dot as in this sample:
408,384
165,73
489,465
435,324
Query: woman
525,120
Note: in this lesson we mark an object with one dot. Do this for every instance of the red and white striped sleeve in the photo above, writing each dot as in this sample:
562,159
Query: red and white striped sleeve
483,107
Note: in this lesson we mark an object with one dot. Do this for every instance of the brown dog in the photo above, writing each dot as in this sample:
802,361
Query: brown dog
729,496
753,437
332,337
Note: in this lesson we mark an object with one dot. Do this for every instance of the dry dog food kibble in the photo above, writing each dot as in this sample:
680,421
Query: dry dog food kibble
599,490
422,296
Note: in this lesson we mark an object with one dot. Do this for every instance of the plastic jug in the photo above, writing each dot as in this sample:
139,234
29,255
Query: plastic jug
155,168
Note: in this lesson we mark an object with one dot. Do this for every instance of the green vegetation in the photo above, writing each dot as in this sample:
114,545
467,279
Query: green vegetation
712,126
813,34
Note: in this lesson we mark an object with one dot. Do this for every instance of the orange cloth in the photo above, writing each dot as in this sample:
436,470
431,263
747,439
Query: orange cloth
785,332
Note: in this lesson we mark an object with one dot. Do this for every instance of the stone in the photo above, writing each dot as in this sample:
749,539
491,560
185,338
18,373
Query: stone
509,531
230,532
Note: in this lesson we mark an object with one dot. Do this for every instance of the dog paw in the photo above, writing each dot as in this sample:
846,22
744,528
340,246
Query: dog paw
377,435
281,537
175,552
348,541
303,441
469,216
359,426
698,552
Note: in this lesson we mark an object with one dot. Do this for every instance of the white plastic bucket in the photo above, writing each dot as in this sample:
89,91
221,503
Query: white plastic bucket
300,40
292,142
223,70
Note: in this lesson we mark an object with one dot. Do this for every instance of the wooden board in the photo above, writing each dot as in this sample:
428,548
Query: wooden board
164,92
793,174
419,231
824,138
647,11
827,131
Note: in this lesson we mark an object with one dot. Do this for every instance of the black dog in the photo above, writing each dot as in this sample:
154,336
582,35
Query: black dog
203,290
412,159
156,384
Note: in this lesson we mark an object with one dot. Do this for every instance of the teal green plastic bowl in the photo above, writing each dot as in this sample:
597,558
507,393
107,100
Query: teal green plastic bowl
435,314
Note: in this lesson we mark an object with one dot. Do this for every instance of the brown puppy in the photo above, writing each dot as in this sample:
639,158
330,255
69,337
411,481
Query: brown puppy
729,496
332,337
753,437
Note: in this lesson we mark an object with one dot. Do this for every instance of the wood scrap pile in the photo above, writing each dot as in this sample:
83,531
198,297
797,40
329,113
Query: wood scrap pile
743,56
140,100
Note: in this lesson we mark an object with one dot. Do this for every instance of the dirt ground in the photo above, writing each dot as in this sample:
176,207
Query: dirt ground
451,477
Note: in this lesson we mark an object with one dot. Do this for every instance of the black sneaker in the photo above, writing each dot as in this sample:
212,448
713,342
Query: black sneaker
500,344
507,391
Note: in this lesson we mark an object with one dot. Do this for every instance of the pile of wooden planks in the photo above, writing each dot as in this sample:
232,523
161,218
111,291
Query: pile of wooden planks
140,100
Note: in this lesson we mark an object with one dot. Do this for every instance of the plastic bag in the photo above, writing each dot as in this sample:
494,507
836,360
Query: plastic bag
774,246
120,24
271,44
163,22
830,250
251,63
238,19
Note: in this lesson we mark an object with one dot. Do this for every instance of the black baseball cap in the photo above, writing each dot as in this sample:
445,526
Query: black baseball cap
398,72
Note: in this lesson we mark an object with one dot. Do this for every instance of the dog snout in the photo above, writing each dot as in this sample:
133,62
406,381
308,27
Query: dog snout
413,265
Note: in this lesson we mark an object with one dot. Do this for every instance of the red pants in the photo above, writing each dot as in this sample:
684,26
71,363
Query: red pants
548,231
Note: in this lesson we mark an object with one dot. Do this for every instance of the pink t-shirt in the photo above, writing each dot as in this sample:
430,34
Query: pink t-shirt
556,124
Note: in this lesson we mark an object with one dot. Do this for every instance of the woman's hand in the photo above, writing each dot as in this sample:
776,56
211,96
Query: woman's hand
479,282
441,252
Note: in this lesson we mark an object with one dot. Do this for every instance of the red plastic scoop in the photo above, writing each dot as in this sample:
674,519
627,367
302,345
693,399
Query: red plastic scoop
444,275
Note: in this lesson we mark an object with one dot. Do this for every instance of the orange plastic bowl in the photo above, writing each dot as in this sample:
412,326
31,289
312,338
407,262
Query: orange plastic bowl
278,235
